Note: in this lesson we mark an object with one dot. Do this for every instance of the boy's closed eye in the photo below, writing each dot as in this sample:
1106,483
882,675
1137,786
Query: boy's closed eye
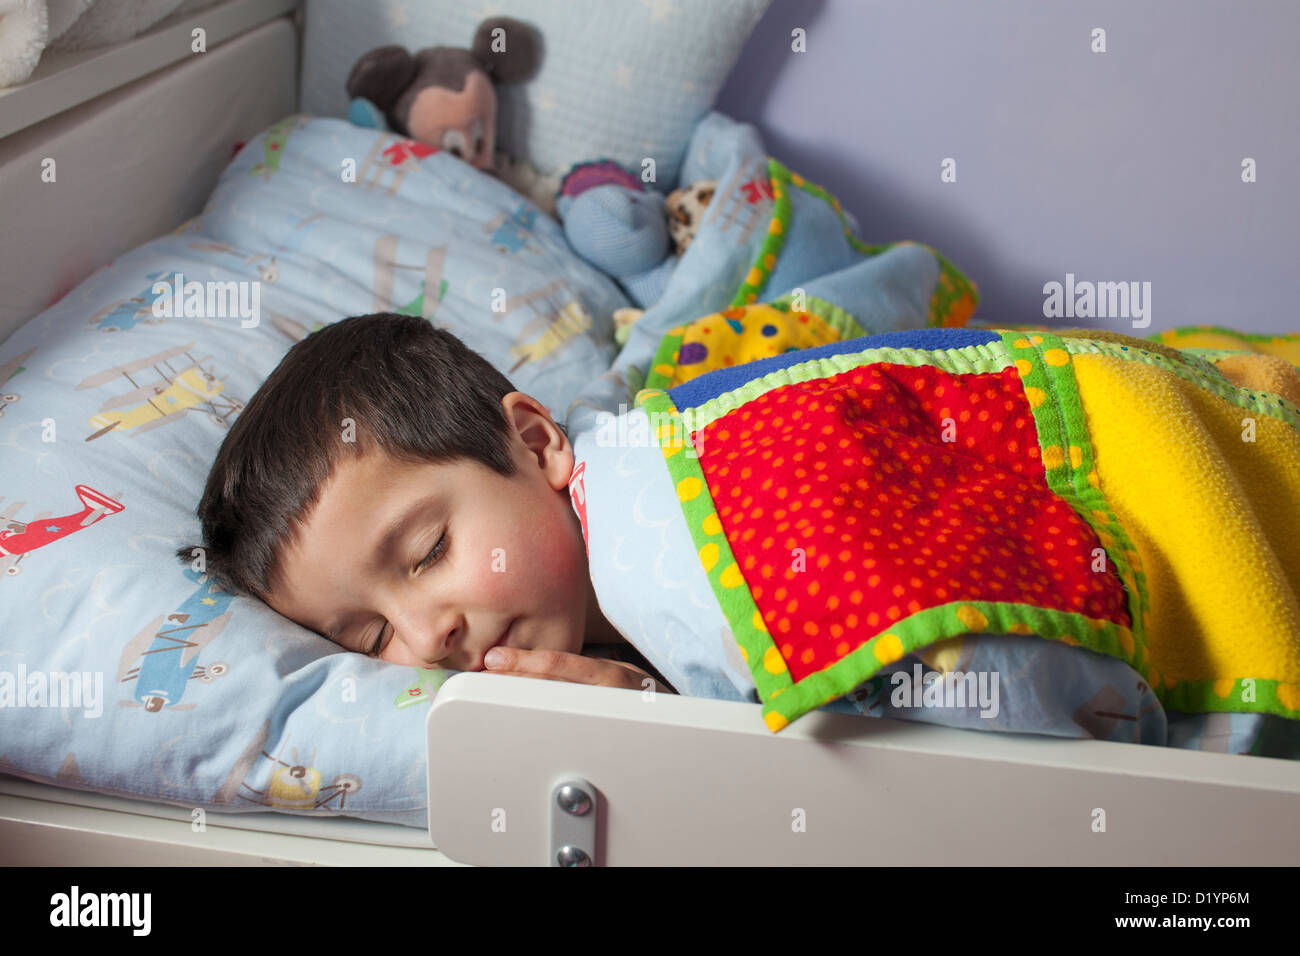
435,554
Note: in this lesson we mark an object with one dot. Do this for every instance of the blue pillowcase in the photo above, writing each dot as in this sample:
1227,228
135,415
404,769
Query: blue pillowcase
113,413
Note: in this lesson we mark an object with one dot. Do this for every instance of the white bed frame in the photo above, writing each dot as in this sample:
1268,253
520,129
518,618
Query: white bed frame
663,781
678,781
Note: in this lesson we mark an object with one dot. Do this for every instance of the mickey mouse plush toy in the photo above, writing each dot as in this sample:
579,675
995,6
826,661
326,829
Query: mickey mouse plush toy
445,96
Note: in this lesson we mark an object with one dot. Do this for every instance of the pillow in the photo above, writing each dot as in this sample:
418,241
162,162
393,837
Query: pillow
620,81
123,671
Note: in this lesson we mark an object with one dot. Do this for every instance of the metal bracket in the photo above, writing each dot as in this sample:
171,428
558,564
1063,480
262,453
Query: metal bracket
573,823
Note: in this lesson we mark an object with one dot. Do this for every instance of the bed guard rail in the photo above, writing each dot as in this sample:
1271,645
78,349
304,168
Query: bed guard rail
530,772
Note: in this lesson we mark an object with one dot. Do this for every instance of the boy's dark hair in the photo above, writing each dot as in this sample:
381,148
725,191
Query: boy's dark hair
416,392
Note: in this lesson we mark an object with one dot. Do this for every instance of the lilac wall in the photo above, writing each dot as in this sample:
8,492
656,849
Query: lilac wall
1116,166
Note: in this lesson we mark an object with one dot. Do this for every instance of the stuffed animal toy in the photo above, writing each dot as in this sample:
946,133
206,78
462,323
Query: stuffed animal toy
686,208
616,225
444,96
622,232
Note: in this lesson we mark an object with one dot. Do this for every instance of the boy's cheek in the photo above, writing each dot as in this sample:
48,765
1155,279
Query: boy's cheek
540,560
498,570
510,570
537,574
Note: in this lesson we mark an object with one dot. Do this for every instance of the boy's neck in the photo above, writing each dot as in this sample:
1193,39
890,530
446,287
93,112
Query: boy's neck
599,630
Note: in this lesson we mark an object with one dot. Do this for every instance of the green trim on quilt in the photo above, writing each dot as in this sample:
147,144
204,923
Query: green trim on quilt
1213,355
1246,694
1164,356
844,323
833,201
660,373
920,630
949,290
715,554
770,251
1200,373
990,357
1047,376
953,286
942,299
1185,330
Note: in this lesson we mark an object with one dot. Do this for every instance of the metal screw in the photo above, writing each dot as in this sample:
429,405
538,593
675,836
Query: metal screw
574,800
572,856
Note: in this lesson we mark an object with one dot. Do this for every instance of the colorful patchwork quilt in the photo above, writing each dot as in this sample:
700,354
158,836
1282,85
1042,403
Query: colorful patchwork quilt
859,500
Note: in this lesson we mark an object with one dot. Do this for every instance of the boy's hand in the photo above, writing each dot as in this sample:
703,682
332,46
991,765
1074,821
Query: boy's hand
574,668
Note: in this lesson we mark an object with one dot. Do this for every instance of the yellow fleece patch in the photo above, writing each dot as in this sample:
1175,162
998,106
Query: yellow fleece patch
1213,518
1256,372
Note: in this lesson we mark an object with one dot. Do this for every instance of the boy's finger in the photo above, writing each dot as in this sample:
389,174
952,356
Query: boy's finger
551,665
538,663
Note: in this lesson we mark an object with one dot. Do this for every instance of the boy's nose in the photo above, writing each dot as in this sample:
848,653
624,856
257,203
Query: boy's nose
432,637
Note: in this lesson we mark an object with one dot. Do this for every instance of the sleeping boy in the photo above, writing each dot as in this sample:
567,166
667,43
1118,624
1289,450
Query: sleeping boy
837,507
389,489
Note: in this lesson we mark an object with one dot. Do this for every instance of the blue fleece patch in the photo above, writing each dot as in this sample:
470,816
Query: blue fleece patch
712,384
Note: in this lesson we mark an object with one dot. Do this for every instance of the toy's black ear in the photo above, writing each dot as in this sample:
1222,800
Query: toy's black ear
381,75
510,50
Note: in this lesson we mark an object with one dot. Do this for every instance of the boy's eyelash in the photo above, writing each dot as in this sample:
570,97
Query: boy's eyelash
437,552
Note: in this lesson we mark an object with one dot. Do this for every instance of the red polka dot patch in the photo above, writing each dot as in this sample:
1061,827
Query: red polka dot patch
903,488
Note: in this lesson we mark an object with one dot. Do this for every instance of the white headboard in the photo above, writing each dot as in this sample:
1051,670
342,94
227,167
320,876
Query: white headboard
133,164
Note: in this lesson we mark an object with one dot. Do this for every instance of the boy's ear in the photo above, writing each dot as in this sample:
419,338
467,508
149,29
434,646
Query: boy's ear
545,440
